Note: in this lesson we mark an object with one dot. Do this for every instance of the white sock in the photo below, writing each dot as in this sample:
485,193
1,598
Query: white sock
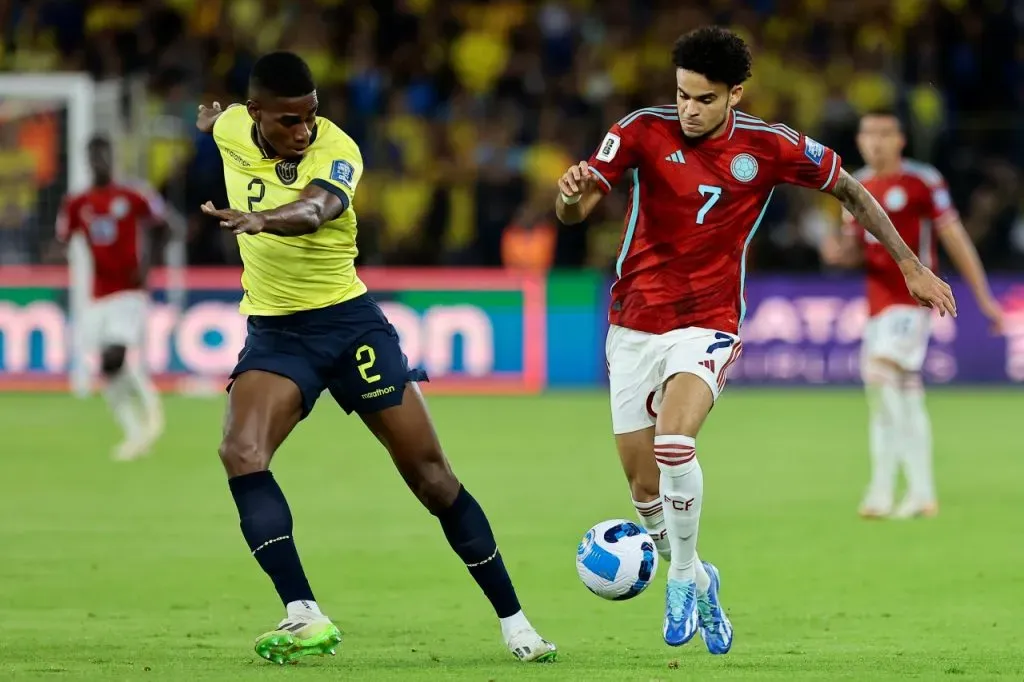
885,411
118,393
703,579
917,441
512,624
303,609
147,394
653,521
682,491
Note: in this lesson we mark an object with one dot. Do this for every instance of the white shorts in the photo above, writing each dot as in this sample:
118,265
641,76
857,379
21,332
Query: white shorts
116,320
639,364
898,334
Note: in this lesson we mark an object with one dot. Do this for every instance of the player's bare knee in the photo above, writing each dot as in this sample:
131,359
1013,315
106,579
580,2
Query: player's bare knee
688,400
434,484
112,360
241,457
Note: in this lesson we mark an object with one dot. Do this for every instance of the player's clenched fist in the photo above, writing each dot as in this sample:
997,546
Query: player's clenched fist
575,180
930,291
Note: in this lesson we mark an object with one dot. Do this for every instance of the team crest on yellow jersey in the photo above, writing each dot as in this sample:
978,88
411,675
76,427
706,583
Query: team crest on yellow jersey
287,171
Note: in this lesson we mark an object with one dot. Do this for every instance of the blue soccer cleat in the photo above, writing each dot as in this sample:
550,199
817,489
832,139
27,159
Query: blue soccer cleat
680,612
715,628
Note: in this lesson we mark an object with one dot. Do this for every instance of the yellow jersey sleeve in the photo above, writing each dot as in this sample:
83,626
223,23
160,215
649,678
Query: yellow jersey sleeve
337,166
232,128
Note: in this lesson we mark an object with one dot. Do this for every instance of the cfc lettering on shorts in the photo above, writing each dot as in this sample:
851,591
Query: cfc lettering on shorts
377,393
342,171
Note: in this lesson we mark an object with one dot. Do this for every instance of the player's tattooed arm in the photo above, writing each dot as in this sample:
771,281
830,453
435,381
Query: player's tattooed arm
873,218
314,207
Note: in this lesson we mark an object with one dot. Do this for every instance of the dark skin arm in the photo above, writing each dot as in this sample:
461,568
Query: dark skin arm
924,286
314,207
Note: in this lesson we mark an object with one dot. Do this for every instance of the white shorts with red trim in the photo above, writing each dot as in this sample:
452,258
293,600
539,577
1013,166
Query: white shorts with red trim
639,364
116,320
898,334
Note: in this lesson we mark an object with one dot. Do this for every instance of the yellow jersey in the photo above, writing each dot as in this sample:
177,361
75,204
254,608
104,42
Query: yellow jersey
283,275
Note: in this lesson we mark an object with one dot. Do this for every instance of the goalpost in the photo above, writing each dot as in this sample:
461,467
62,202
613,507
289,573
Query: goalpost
52,117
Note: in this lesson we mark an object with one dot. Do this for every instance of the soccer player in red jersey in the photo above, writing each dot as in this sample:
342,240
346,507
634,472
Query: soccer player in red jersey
917,201
701,173
116,222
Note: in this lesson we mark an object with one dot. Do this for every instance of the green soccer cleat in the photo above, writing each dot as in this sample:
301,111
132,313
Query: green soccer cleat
298,637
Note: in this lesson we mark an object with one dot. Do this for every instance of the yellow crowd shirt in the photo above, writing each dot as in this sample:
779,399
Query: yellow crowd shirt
283,275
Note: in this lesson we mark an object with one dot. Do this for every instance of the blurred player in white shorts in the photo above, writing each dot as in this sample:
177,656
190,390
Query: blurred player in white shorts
116,221
916,198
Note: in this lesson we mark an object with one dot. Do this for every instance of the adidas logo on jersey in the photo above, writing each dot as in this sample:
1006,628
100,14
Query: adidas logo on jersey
710,364
676,157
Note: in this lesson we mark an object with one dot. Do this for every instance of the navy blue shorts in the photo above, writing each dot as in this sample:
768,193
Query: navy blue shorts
349,348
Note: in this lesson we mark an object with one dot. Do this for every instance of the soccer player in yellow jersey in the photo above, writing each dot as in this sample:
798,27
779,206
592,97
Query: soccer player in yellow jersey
291,176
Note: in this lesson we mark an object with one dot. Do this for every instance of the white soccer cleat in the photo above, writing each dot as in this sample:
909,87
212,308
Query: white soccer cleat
132,449
875,506
528,646
910,508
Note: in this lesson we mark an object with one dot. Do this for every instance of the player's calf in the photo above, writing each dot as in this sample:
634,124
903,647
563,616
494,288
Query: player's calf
636,449
882,384
406,431
119,395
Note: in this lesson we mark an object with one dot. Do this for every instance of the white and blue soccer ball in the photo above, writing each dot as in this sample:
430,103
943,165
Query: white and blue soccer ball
616,559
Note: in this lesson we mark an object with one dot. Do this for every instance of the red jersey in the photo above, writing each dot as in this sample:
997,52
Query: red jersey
694,210
917,201
110,218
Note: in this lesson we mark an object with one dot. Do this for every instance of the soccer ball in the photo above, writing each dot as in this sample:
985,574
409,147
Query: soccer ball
616,560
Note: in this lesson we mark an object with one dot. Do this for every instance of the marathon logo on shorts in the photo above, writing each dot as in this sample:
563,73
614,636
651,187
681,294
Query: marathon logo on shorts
609,147
814,150
378,393
287,172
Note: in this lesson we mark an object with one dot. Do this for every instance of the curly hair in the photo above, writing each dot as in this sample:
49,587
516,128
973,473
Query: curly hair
714,52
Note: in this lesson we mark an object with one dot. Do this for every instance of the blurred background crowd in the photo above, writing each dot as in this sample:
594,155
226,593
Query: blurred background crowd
468,111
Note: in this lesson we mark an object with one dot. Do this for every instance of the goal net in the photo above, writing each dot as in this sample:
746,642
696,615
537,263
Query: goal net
46,121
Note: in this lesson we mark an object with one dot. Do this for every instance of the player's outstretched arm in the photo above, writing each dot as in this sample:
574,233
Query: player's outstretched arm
924,286
314,207
578,194
961,251
208,115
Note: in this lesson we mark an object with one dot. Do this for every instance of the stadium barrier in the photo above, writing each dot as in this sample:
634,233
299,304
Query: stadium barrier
492,331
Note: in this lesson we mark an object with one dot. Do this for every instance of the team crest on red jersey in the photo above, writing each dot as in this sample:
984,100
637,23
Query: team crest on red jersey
895,199
744,167
119,207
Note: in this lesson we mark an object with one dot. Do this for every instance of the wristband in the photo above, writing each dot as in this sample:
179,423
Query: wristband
569,201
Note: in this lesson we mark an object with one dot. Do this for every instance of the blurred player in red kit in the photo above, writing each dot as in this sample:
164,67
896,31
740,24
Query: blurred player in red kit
116,221
916,198
701,175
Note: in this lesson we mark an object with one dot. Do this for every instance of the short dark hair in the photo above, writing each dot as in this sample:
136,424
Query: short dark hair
885,112
714,52
99,141
282,74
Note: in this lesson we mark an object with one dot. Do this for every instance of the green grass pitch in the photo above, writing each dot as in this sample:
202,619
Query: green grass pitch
138,571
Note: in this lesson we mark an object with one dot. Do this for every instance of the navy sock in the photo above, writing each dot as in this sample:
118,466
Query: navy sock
266,523
468,532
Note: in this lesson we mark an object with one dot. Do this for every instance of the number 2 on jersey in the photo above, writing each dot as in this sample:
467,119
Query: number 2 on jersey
366,357
257,191
713,194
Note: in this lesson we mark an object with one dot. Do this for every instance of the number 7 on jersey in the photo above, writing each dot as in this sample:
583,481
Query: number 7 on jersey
713,194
